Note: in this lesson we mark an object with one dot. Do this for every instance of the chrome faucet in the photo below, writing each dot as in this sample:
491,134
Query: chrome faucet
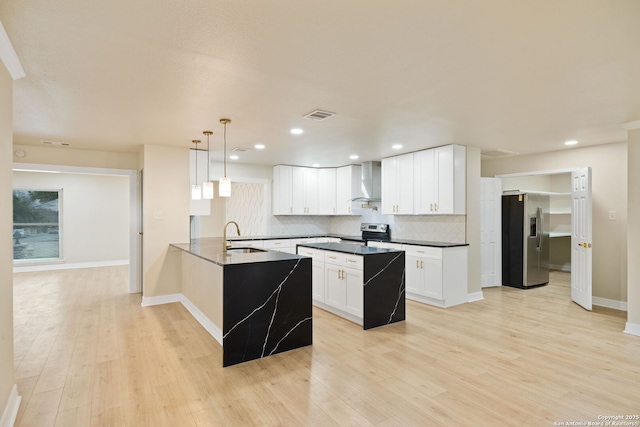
225,244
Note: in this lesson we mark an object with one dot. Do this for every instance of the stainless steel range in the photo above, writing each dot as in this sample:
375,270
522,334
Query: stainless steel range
377,232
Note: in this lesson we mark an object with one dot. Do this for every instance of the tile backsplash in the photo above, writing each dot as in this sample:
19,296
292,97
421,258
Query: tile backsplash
439,228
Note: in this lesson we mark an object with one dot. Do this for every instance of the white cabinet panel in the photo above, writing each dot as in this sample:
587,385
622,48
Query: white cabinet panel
318,286
282,175
397,185
327,191
349,186
440,180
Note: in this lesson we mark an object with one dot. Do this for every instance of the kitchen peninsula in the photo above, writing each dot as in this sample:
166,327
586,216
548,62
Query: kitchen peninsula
256,303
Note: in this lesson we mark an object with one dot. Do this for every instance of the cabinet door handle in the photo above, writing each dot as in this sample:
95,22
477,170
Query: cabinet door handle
430,207
417,265
436,205
350,260
421,265
332,257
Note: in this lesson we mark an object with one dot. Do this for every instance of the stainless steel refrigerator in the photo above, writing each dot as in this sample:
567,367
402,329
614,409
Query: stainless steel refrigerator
525,240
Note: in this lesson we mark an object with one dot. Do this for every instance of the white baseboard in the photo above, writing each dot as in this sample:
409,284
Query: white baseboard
609,303
207,324
162,299
11,411
632,329
476,296
66,266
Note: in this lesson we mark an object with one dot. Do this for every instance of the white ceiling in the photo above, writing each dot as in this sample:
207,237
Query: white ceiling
498,74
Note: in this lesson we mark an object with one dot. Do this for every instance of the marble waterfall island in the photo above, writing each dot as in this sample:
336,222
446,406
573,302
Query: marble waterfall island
363,284
256,303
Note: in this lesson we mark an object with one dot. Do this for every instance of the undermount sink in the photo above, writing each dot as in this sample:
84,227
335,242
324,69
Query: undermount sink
245,250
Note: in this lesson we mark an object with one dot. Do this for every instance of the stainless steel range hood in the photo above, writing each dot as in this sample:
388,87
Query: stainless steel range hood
371,182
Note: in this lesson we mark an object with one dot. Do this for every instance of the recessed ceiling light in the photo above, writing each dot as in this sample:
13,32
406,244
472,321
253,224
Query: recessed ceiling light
353,156
396,146
259,146
297,131
234,157
316,165
572,142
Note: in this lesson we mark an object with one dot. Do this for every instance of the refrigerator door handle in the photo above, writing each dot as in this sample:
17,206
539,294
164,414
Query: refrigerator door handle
540,230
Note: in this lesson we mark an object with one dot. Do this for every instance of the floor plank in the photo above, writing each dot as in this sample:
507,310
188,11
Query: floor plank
87,353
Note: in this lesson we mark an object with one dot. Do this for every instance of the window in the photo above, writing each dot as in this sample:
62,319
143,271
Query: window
36,224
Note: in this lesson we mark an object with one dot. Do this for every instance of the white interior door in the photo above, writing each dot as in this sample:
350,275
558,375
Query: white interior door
581,258
490,232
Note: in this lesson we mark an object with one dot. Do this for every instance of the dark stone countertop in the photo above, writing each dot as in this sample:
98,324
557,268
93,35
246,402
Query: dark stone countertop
356,239
210,249
347,248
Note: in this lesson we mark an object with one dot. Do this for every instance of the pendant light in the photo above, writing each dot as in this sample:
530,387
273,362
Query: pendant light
224,183
207,186
196,190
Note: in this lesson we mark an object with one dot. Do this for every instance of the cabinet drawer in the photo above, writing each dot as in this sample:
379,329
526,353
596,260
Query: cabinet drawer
335,258
315,254
424,251
277,244
353,261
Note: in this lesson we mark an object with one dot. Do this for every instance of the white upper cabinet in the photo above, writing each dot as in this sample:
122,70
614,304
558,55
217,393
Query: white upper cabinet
397,185
295,190
349,186
327,191
440,181
202,206
282,176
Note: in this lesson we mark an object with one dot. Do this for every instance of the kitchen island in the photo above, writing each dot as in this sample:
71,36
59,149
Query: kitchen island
254,302
362,284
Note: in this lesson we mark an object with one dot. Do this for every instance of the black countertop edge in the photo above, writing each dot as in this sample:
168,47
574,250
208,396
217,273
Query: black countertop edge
358,239
213,253
347,248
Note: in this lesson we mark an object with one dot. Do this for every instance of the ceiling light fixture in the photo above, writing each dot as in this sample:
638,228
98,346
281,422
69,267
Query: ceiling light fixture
572,142
297,131
259,146
224,184
354,157
207,186
396,146
196,190
234,157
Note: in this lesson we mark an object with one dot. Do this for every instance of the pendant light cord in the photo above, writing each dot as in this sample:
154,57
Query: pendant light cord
225,150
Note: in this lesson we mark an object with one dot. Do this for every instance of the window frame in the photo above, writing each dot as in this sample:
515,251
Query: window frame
59,225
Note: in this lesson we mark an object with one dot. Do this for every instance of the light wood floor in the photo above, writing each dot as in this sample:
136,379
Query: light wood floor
86,353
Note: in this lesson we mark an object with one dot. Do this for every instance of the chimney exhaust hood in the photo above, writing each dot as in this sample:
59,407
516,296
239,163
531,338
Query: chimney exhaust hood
371,182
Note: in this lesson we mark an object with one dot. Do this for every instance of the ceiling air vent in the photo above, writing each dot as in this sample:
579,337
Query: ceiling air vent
496,153
318,115
241,149
59,144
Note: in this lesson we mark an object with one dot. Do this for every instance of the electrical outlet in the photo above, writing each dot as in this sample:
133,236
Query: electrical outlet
612,215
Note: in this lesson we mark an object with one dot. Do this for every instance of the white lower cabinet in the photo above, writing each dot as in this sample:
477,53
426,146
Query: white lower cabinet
344,285
317,272
338,285
436,276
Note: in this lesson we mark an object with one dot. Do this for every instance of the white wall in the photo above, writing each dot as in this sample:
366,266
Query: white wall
165,219
609,168
95,213
633,314
6,247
